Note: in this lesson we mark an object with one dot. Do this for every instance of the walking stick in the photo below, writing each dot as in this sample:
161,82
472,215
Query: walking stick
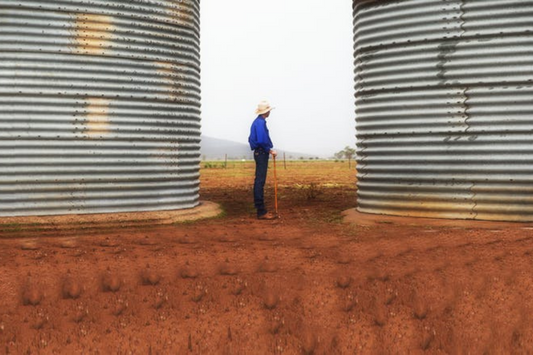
275,188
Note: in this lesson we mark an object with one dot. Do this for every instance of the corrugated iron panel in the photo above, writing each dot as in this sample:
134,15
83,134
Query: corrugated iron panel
99,106
444,109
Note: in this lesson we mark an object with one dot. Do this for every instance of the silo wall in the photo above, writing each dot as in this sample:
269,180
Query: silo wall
99,106
444,108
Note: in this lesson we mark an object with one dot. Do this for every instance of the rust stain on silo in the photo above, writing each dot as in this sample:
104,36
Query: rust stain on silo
97,122
179,13
171,79
93,33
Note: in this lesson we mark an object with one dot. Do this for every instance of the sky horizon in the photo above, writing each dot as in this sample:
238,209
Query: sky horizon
296,54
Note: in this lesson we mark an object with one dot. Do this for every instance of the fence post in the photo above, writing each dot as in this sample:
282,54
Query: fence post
284,161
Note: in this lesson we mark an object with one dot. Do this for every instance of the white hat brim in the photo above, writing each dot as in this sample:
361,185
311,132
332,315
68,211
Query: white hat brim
260,112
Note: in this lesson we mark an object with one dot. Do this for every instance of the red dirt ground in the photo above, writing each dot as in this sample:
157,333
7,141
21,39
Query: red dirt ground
306,283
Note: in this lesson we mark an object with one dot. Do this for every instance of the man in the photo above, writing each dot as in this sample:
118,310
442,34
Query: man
261,144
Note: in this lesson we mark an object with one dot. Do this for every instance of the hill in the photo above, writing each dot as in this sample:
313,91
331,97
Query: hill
216,149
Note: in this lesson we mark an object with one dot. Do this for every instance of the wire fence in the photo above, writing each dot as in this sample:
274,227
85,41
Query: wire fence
282,163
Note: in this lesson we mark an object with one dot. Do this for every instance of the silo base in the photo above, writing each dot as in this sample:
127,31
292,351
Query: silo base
20,226
365,219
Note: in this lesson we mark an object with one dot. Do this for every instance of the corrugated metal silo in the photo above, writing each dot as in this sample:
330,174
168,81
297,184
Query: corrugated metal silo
99,106
444,108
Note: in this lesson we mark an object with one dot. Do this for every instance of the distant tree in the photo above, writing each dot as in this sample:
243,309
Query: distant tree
346,153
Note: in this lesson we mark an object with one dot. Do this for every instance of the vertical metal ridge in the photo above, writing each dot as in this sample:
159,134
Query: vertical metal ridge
99,106
443,108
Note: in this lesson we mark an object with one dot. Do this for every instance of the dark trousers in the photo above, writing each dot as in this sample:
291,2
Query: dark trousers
261,166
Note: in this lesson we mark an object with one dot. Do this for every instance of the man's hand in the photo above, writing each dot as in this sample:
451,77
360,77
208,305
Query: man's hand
274,153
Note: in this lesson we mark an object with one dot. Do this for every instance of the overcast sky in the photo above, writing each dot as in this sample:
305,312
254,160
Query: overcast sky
295,53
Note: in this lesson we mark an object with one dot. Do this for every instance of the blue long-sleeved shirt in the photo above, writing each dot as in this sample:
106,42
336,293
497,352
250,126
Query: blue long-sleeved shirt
259,137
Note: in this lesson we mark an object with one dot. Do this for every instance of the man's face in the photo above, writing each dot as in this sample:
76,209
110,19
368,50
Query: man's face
265,115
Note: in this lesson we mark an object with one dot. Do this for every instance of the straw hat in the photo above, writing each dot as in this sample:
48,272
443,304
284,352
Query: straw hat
263,107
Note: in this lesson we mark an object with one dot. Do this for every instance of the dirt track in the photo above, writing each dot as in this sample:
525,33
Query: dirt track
306,283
